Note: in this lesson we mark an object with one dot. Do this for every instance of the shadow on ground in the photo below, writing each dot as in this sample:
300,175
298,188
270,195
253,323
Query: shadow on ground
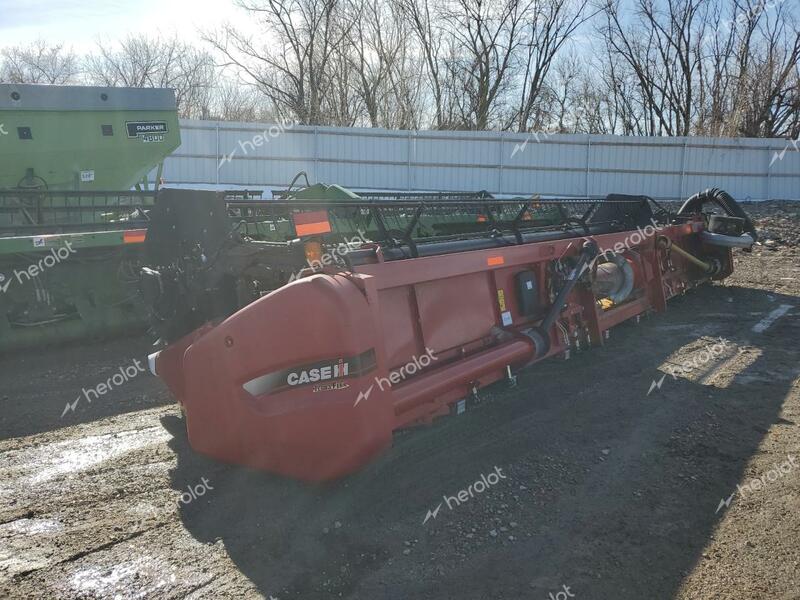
609,490
59,375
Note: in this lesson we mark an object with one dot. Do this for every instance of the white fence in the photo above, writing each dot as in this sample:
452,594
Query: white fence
267,156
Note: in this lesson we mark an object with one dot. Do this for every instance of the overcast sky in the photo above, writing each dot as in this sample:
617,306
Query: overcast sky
79,23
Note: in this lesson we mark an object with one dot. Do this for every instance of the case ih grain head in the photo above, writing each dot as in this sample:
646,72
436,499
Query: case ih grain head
311,379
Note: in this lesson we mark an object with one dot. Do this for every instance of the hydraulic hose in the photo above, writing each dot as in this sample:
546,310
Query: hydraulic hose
709,267
722,199
540,335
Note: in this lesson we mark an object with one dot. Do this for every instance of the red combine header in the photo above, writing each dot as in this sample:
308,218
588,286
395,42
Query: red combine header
311,379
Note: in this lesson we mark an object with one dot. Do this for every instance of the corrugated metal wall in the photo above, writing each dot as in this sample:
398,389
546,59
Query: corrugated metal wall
268,156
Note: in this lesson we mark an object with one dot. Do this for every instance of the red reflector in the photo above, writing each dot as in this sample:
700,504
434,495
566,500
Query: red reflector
481,219
493,261
134,236
311,223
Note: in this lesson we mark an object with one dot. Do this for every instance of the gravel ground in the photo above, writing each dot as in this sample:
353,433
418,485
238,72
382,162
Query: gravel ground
605,485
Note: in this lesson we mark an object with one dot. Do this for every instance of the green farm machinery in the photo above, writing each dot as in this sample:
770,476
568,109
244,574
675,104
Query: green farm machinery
70,250
342,213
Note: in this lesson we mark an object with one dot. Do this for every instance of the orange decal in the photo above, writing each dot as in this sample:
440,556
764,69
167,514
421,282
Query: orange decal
312,223
134,236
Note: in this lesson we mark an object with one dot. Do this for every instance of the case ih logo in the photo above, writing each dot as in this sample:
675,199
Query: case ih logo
313,375
137,128
320,372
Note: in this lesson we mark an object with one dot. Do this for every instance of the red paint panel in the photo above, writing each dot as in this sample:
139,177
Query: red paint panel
399,326
456,311
308,432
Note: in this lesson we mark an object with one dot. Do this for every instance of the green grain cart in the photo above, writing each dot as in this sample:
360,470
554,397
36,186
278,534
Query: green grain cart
69,247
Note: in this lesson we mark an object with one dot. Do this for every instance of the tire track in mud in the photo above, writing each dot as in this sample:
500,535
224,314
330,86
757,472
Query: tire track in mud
69,482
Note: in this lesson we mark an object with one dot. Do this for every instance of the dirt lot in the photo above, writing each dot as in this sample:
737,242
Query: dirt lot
608,489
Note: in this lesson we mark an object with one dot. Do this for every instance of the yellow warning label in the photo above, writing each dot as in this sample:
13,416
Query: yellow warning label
501,300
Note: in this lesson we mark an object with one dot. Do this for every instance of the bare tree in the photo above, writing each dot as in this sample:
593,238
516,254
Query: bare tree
663,48
233,100
293,65
377,43
717,80
748,83
768,98
403,102
551,24
653,67
343,103
486,38
568,112
422,16
39,63
157,62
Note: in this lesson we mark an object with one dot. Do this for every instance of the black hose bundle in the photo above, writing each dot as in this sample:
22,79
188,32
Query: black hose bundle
722,199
